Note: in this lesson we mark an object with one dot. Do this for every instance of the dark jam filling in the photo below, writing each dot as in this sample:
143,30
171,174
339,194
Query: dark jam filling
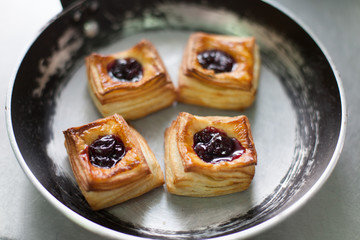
125,69
106,151
213,145
216,60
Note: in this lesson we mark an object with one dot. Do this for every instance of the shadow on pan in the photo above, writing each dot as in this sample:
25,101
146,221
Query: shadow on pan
305,74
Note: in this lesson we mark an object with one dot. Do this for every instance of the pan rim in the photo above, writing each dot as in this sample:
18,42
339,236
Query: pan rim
106,232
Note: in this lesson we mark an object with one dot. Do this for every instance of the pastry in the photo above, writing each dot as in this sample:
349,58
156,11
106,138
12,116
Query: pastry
209,156
132,83
111,162
219,71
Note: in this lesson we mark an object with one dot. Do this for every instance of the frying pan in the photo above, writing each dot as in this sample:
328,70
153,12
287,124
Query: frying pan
298,118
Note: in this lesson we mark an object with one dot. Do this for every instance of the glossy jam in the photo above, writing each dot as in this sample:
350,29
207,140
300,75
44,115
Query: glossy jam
106,151
216,60
212,145
125,69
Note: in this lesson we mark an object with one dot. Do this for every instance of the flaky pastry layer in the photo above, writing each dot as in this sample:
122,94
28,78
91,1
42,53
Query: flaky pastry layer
132,100
186,174
229,90
136,173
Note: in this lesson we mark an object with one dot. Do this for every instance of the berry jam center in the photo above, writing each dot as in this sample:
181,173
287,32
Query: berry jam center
216,60
125,69
212,145
106,151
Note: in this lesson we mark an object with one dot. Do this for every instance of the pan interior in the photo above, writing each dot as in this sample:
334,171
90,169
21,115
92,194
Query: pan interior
158,209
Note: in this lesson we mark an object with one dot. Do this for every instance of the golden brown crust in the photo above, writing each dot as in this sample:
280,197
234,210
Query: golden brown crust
187,174
229,90
130,99
137,167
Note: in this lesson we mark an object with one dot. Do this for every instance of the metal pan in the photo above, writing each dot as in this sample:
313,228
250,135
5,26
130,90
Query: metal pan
298,118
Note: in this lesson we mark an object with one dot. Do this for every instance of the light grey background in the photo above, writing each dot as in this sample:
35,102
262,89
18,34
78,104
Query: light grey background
333,213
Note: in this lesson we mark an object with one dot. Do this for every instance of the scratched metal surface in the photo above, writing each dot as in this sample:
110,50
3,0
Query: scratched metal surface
39,220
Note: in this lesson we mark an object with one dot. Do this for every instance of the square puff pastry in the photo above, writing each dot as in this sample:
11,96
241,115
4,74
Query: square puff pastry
186,174
132,100
135,174
233,90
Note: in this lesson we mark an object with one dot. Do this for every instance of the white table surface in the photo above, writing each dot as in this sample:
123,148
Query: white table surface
332,214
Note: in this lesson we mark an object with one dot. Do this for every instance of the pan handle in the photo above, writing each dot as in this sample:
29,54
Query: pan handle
66,3
90,4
